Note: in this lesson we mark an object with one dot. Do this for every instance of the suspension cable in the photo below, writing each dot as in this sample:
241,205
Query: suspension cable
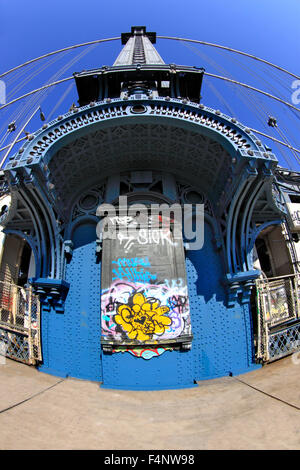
36,91
4,137
17,141
275,140
17,76
251,88
280,132
32,75
221,99
39,98
57,52
206,73
251,105
231,50
62,98
236,51
242,93
22,109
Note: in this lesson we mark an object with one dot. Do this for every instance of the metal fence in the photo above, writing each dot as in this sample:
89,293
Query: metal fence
278,302
19,323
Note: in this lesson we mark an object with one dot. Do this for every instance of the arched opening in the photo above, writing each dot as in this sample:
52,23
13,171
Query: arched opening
17,304
273,301
26,265
271,255
17,261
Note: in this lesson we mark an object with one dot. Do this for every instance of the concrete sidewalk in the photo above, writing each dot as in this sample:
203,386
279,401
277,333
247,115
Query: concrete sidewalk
219,414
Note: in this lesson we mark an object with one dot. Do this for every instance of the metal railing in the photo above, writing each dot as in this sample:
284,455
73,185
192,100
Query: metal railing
19,323
278,304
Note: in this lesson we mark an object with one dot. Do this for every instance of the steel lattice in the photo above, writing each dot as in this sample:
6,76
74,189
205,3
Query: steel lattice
16,345
278,317
19,323
284,342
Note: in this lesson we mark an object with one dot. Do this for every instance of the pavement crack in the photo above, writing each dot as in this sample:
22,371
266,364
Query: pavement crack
267,394
31,397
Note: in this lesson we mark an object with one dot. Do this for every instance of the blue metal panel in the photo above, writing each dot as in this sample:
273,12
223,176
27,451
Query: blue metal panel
71,341
82,315
170,370
223,339
53,343
84,234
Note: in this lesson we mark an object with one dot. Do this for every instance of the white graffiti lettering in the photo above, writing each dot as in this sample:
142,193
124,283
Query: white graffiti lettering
145,236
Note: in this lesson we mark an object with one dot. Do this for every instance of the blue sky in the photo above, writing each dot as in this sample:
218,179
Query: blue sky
269,29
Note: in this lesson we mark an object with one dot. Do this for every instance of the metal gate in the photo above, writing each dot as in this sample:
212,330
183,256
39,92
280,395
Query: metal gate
278,302
19,323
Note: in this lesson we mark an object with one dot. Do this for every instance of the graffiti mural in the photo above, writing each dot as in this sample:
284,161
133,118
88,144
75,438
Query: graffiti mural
156,236
142,318
144,298
132,269
139,313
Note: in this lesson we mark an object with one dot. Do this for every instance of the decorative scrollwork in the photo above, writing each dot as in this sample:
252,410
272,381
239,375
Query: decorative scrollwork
190,195
87,203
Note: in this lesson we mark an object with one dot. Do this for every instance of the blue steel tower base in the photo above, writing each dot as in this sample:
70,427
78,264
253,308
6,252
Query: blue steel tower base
140,132
222,337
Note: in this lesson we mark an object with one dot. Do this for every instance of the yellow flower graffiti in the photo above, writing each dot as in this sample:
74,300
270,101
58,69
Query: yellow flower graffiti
143,318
